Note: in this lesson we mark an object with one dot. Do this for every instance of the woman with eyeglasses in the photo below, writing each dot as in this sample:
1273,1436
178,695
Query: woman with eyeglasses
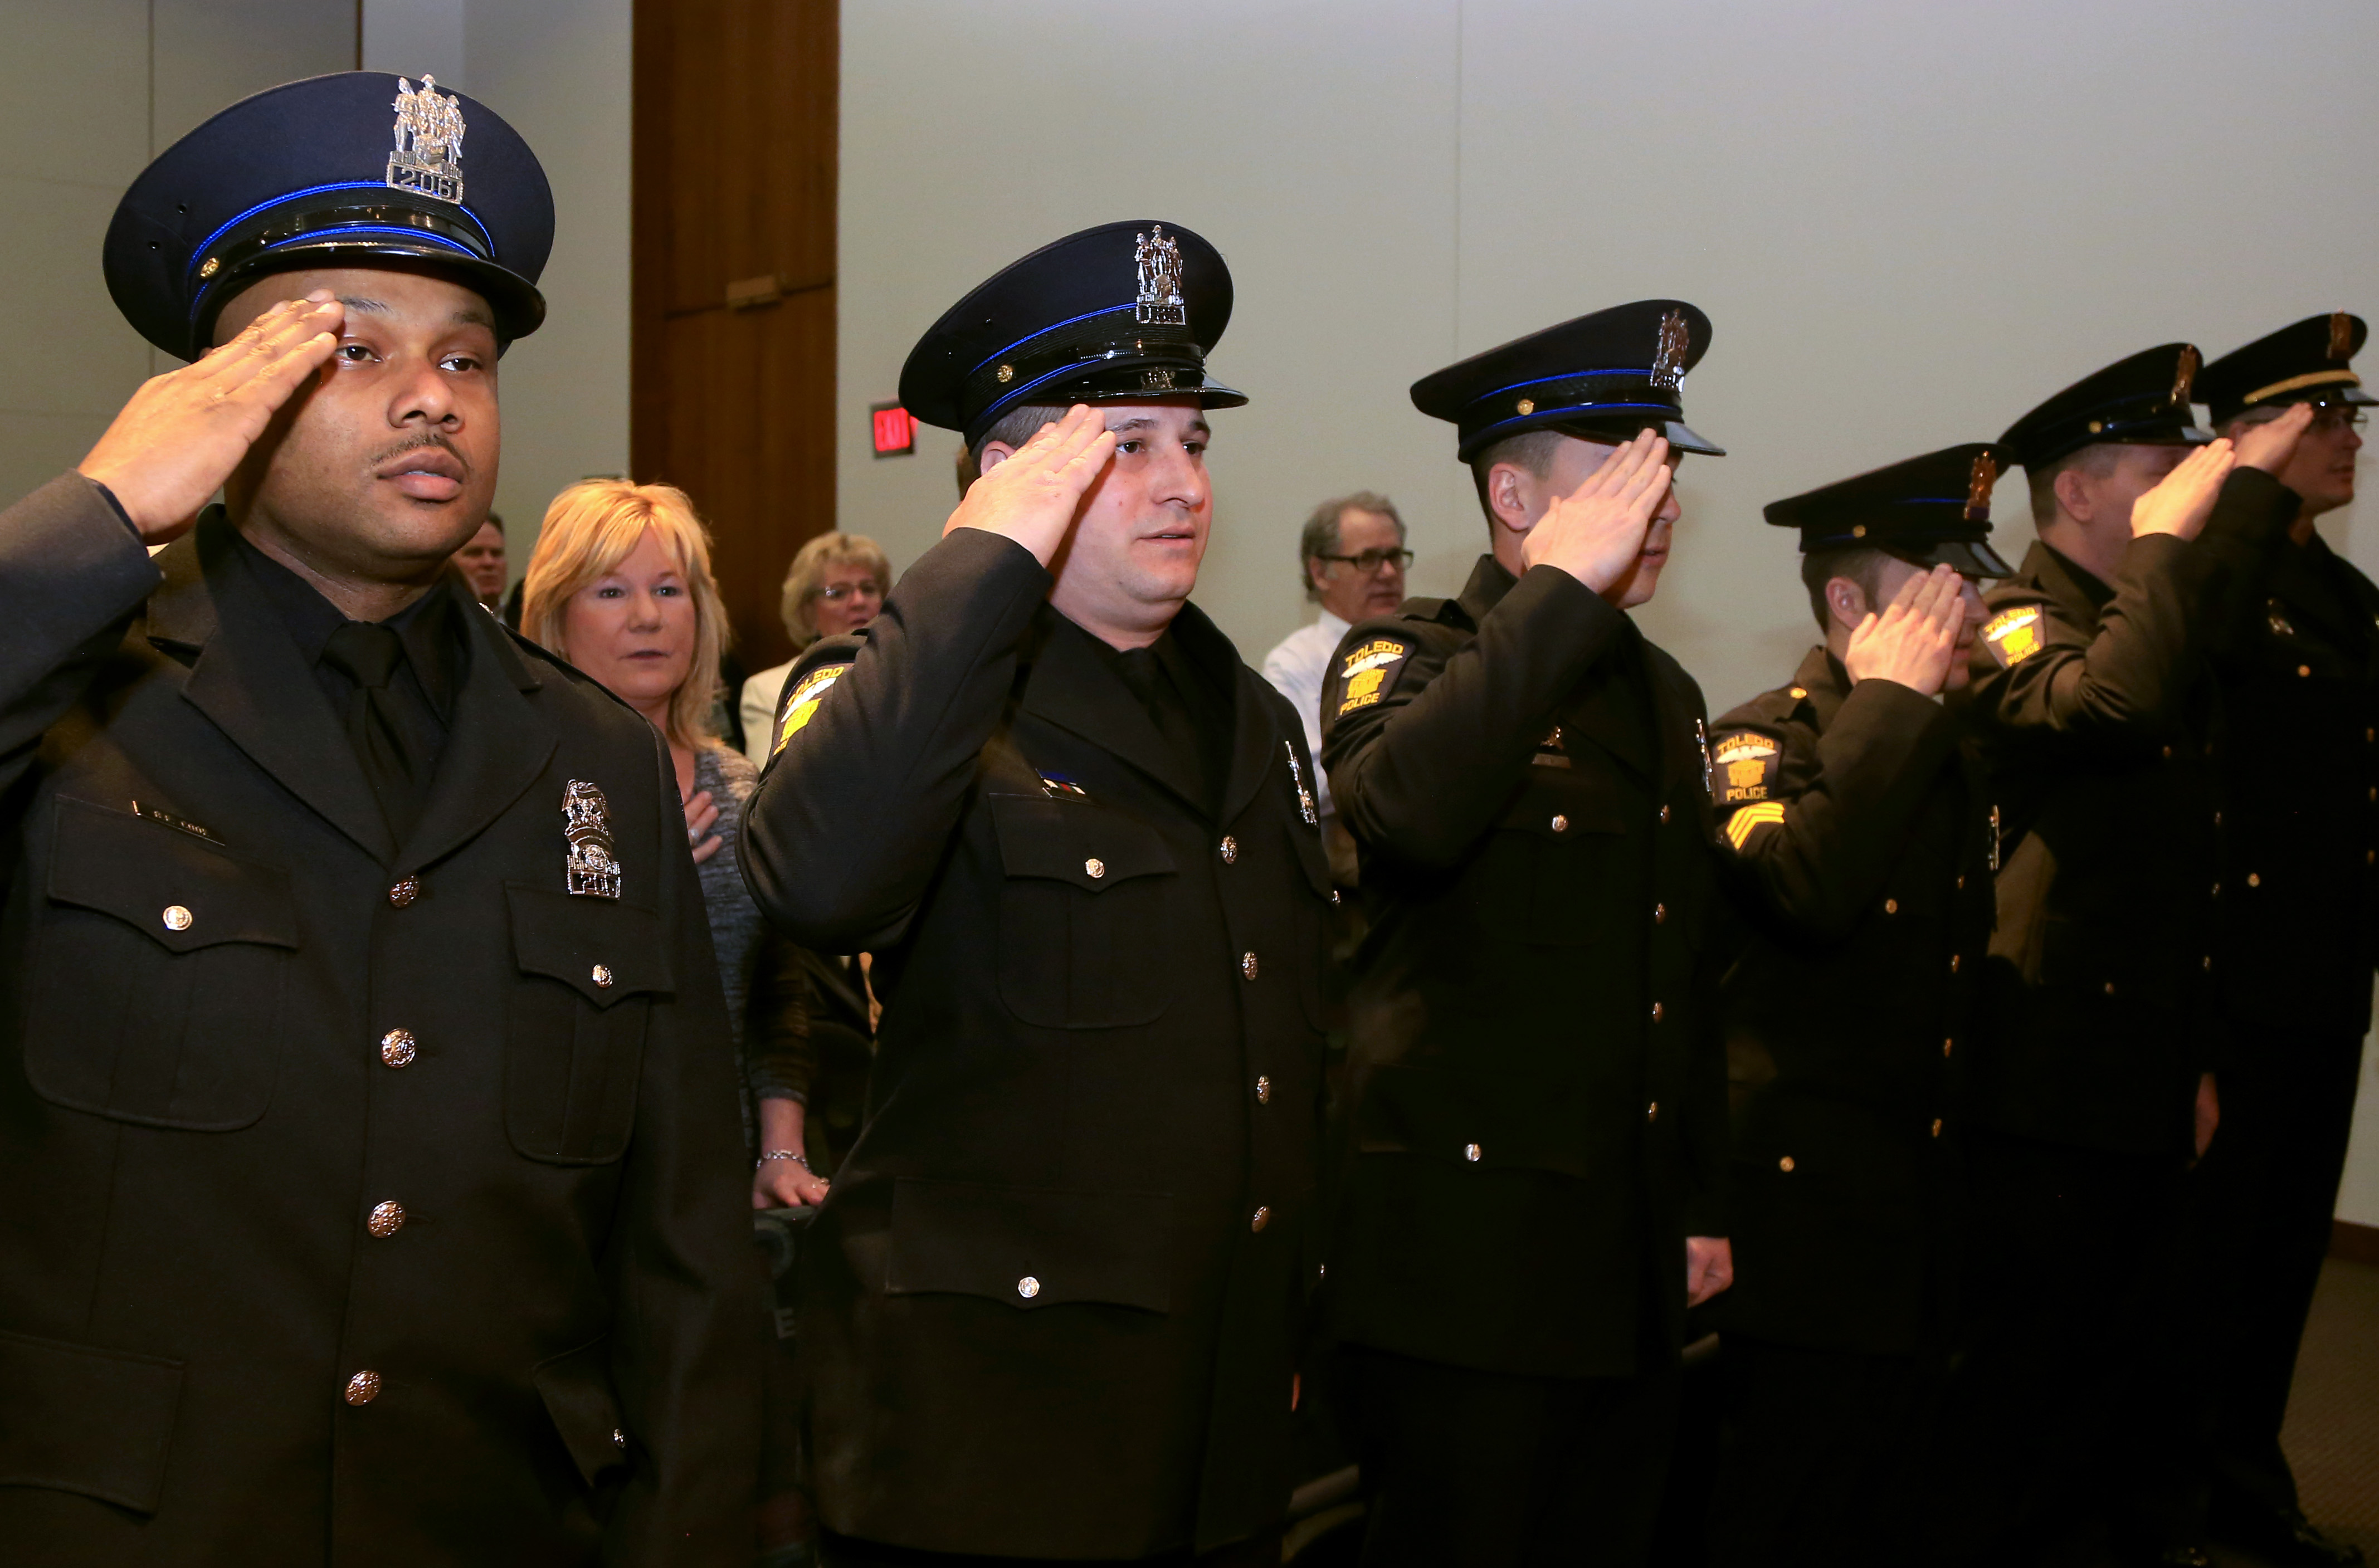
836,584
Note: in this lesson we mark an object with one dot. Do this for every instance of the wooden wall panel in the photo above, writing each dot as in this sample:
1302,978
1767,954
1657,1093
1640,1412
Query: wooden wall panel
735,113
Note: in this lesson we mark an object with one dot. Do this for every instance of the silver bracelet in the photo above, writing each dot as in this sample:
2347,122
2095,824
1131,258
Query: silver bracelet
768,1154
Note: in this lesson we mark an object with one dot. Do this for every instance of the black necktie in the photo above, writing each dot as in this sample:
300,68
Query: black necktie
369,653
1141,672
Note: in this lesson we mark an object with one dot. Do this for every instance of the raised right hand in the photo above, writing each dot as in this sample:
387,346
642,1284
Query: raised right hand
1031,497
2183,499
1595,532
183,433
1915,638
2268,446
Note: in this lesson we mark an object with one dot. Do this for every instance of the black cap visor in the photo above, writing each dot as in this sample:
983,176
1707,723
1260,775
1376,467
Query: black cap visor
1968,558
519,308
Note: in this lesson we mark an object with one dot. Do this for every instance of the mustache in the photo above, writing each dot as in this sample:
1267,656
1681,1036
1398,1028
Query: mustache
420,442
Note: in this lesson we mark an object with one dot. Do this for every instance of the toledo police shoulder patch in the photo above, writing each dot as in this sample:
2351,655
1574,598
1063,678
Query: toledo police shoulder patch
1367,674
801,702
1743,765
2013,635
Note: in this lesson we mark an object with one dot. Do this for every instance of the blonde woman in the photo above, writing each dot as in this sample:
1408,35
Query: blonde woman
836,584
621,586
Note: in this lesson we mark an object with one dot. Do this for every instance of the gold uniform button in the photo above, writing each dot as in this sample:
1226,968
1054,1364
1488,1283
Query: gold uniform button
1656,1012
1947,1047
1660,913
386,1220
1094,868
1230,847
1333,897
2208,962
1560,822
1005,374
2218,819
2217,891
1028,1288
1892,905
2303,669
403,891
1525,407
1954,963
1261,1218
397,1048
1248,965
1961,885
1664,813
176,918
363,1388
619,1437
2255,879
1797,692
2168,753
1263,1090
1652,1112
1470,1153
601,975
2110,988
1937,1127
1785,1165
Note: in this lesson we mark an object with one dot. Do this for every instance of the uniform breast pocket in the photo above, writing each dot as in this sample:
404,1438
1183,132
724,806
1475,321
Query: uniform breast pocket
155,983
1548,858
1082,914
575,1030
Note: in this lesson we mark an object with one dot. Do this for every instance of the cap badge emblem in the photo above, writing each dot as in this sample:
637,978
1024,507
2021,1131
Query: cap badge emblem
1668,355
1159,379
1980,481
2184,374
428,156
592,869
1160,280
2341,335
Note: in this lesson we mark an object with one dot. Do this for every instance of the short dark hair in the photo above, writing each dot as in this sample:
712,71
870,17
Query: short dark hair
1861,564
1320,536
1531,450
2099,457
1013,429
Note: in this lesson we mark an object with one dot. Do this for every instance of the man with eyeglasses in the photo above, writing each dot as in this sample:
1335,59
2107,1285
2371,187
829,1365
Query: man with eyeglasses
2300,683
1351,560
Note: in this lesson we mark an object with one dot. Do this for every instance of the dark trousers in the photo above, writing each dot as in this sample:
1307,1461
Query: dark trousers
2068,1402
1819,1450
1468,1469
2262,1202
850,1551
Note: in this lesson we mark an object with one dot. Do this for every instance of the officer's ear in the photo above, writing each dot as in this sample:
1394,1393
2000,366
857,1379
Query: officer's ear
1846,602
2073,496
1509,487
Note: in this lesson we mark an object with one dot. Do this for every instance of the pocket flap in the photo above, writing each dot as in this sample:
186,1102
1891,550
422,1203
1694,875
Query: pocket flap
182,891
603,949
577,1387
1031,1247
1582,803
93,1422
1072,841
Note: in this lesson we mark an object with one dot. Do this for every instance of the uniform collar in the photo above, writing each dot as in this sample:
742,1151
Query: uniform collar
2062,577
1490,581
1824,682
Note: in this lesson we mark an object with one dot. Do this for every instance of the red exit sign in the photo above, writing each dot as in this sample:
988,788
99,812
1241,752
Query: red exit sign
895,430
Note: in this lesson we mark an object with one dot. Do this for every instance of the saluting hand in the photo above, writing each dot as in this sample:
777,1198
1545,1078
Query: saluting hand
1709,1267
1596,531
184,432
1031,497
2269,445
1915,638
2184,498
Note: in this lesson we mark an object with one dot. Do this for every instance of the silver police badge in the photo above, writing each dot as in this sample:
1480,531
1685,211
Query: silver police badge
592,870
1161,304
428,156
1296,777
1669,353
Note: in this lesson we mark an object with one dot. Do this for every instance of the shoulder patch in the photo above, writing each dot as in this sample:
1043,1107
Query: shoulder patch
1744,764
1366,672
2013,634
801,702
1748,820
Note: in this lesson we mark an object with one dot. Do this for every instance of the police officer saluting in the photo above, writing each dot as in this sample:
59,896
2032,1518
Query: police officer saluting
2300,683
1859,854
2096,1083
368,1118
1539,1124
1050,1310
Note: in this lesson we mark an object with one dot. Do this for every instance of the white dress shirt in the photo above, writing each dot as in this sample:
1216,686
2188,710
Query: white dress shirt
1296,667
759,708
